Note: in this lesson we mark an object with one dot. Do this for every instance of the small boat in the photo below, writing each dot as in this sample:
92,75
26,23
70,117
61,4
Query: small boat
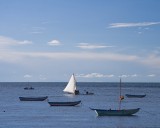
71,86
135,96
88,93
28,88
122,112
118,112
33,98
69,103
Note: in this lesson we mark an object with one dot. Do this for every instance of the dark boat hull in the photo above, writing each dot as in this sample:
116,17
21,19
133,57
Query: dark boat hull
27,88
135,96
88,93
64,103
124,112
33,98
76,92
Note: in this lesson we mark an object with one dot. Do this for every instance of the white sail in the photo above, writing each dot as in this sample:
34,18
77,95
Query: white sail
71,86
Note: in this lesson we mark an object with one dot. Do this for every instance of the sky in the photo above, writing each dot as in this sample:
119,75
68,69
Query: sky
97,40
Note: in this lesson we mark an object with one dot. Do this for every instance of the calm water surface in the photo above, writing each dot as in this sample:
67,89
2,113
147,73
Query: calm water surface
18,114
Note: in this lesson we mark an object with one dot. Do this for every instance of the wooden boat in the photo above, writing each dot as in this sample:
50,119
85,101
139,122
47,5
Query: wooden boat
118,112
72,86
28,88
135,96
71,103
33,98
87,93
122,112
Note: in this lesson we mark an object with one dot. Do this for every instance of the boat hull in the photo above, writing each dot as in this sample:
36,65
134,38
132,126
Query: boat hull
74,103
135,96
124,112
33,98
90,93
28,88
76,92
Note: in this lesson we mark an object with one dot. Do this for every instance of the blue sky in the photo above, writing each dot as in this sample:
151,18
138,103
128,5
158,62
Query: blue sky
97,40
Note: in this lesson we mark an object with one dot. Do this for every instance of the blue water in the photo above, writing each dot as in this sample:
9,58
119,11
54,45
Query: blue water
18,114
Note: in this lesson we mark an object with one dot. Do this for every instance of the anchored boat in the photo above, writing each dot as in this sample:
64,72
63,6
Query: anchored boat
33,98
69,103
119,112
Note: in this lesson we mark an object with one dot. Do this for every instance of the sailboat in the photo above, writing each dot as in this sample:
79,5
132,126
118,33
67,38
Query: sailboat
71,86
119,112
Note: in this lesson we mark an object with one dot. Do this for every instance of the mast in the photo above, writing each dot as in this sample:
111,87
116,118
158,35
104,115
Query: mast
120,95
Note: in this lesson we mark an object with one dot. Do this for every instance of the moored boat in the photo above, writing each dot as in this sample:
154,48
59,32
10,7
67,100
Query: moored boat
68,103
33,98
28,88
87,93
122,112
135,96
118,112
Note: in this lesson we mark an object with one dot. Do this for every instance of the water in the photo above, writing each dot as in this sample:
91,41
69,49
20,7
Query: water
18,114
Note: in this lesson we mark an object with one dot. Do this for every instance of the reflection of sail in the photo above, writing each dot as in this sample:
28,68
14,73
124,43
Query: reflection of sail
71,86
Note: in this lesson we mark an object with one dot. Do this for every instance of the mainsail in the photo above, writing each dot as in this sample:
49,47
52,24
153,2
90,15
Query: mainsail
71,86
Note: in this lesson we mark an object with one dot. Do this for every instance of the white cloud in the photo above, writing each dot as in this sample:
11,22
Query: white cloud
11,56
88,46
111,75
140,24
6,41
134,75
151,75
99,75
25,42
54,43
27,76
93,75
124,76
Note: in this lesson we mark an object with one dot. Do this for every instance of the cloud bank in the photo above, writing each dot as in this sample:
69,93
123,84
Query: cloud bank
94,75
127,25
12,56
7,41
89,46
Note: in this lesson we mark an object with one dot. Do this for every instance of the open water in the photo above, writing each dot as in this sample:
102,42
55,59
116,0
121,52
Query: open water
18,114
